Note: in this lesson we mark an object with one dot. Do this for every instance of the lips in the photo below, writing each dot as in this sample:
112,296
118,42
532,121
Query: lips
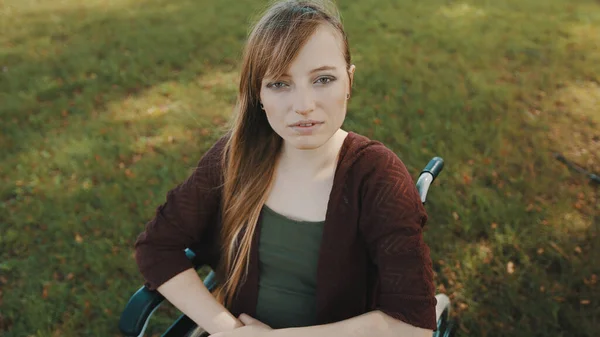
306,128
306,123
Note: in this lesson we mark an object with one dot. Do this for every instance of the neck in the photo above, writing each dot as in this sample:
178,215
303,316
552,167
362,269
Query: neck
313,161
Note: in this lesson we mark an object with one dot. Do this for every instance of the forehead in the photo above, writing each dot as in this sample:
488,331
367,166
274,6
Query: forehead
323,48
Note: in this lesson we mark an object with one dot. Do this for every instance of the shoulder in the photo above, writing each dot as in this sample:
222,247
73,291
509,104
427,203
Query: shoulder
209,168
215,152
371,158
386,190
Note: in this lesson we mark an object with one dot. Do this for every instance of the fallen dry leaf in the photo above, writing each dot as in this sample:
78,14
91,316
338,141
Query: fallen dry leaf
78,238
467,179
592,281
585,302
455,215
129,174
219,121
510,267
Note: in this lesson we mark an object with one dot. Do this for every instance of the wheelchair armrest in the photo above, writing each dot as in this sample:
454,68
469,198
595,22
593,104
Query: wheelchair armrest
137,312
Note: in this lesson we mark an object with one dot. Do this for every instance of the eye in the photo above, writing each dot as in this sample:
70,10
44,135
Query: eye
276,85
325,79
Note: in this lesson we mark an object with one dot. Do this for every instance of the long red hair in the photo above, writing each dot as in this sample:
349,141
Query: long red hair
253,147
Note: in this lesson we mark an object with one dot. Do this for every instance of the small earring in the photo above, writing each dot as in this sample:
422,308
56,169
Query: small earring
348,96
262,107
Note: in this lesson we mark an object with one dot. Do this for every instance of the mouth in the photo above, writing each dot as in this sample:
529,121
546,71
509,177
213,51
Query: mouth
306,124
306,128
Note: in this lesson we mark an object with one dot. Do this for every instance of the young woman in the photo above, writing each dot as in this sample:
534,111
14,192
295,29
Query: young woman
312,230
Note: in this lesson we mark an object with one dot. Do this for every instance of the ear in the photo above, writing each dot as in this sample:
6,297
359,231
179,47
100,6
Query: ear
351,74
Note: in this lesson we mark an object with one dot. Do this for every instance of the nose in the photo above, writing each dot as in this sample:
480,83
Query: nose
303,102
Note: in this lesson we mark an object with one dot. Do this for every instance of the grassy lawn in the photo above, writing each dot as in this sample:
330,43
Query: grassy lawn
106,105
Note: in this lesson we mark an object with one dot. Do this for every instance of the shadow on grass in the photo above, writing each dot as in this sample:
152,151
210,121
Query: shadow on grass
87,95
75,61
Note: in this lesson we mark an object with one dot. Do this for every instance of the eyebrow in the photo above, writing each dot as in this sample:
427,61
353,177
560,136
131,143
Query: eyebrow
316,70
323,68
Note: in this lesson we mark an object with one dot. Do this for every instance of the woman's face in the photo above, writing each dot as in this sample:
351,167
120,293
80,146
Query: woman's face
307,105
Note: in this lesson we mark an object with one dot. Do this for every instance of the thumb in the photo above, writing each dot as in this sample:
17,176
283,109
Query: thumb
247,320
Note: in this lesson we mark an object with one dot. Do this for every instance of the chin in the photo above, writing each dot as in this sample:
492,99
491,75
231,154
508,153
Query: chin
309,142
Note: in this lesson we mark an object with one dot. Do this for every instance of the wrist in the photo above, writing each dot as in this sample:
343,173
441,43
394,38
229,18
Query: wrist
220,321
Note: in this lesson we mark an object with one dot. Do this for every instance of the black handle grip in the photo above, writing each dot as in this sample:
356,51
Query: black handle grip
435,166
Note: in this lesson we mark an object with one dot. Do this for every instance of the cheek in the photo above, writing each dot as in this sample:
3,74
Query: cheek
341,99
273,111
337,95
275,115
270,105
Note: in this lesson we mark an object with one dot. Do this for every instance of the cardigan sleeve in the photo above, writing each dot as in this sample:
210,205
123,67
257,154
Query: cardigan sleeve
184,220
391,221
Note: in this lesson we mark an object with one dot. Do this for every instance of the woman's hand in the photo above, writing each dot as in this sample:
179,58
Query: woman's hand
252,328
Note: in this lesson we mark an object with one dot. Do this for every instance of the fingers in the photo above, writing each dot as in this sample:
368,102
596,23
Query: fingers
238,323
247,320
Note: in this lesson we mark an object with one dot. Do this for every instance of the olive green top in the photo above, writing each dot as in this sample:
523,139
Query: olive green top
288,255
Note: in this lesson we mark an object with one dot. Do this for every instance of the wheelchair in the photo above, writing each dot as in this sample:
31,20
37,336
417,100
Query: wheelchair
136,315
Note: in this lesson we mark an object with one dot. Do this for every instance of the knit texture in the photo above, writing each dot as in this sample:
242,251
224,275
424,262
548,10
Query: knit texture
372,255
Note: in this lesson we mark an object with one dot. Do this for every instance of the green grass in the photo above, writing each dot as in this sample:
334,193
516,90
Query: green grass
106,105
